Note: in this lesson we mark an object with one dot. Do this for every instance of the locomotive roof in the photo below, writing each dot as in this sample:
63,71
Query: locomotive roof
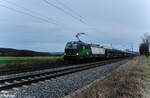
78,42
82,43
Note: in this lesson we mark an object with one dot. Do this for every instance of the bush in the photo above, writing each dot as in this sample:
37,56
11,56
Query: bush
144,49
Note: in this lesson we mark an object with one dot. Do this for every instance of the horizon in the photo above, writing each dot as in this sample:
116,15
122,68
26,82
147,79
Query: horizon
52,51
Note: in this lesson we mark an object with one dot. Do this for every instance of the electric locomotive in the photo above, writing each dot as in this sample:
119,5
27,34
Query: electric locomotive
78,50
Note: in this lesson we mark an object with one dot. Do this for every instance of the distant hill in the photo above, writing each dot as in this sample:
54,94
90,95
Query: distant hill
56,53
19,53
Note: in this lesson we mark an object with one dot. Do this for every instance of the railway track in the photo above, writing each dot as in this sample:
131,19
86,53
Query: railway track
17,81
29,69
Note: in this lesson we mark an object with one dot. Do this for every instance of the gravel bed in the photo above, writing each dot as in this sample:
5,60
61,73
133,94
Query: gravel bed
61,86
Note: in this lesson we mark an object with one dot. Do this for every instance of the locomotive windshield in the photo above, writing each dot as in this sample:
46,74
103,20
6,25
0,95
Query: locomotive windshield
71,46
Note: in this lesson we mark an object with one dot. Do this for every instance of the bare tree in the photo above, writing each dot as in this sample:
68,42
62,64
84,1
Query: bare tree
146,38
144,46
144,49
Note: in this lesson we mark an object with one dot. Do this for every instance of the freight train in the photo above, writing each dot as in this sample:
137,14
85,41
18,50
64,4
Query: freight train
78,50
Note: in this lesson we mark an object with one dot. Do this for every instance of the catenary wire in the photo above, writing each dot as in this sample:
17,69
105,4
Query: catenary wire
59,8
65,6
26,9
22,12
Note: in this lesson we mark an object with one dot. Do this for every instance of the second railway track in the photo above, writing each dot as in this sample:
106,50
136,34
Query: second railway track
19,80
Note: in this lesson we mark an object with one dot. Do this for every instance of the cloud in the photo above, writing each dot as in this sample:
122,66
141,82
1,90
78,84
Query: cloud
118,22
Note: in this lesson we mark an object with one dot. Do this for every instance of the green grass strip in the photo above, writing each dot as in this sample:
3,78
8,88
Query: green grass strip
147,78
14,60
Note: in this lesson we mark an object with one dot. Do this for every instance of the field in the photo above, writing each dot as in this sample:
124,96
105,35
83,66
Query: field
8,61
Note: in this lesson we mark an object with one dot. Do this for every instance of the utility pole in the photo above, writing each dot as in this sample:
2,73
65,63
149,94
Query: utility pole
132,47
111,45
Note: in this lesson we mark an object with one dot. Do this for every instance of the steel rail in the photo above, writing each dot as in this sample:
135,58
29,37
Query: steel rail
28,79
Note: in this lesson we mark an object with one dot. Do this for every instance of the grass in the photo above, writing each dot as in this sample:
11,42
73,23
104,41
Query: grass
19,60
147,77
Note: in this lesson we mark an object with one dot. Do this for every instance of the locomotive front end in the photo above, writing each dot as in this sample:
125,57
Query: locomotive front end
71,51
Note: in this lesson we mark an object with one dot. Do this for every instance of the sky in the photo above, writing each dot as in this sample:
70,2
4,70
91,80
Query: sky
48,26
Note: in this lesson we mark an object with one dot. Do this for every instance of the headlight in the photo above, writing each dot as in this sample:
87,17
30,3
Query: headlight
77,54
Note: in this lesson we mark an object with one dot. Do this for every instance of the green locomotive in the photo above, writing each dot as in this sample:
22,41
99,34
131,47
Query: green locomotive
78,50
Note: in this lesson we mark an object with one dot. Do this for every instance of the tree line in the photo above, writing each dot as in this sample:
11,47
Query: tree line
144,46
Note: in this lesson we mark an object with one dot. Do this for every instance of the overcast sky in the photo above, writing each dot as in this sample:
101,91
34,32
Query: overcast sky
117,22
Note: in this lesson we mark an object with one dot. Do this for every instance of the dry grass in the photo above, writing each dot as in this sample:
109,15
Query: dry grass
125,82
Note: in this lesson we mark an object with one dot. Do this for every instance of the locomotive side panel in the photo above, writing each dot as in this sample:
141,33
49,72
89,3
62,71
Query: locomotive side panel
97,50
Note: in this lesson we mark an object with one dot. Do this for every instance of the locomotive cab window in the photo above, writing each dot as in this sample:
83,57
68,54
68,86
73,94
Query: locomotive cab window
71,46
